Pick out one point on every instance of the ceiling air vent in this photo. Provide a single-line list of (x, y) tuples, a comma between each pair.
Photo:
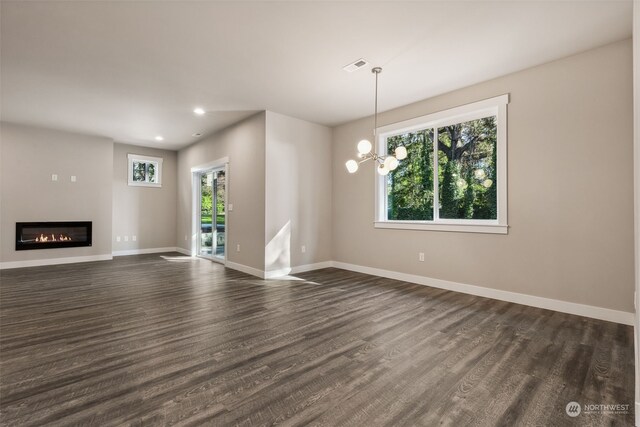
[(355, 65)]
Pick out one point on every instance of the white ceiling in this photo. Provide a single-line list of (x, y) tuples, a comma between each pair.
[(134, 70)]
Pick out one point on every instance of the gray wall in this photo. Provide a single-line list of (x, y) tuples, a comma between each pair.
[(570, 179), (149, 213), (298, 192), (29, 157), (244, 144), (636, 119)]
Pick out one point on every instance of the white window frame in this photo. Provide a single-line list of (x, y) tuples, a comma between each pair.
[(222, 164), (497, 107), (144, 159)]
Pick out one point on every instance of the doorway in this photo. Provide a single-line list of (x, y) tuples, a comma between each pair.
[(211, 214)]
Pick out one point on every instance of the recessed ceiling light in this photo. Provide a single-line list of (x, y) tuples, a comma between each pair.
[(159, 138), (199, 111), (197, 134)]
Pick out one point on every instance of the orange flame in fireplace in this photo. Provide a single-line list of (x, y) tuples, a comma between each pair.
[(53, 238)]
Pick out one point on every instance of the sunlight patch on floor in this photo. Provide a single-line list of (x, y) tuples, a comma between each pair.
[(184, 258)]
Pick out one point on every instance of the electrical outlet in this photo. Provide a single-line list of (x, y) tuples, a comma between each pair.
[(421, 256), (54, 177), (238, 247), (126, 238), (117, 238), (134, 238), (185, 238), (230, 207), (73, 178), (303, 249)]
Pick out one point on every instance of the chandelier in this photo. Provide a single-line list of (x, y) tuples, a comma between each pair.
[(385, 162)]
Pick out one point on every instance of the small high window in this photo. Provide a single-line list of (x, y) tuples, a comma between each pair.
[(145, 171)]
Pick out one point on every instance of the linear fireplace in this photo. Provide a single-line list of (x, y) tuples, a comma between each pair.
[(48, 235)]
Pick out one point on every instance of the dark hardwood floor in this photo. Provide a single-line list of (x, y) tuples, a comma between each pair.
[(164, 340)]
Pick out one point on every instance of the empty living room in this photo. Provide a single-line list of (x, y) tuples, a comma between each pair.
[(327, 213)]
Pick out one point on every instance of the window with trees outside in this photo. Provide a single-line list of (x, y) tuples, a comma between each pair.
[(454, 176), (144, 171)]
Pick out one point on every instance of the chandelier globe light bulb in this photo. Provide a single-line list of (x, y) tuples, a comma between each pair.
[(401, 152), (391, 163), (364, 146), (352, 166)]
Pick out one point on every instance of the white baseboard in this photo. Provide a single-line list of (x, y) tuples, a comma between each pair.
[(272, 274), (616, 316), (229, 264), (311, 267), (144, 251), (232, 265), (245, 269), (53, 261), (637, 412), (183, 251)]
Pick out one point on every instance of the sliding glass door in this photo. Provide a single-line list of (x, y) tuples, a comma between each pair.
[(211, 218)]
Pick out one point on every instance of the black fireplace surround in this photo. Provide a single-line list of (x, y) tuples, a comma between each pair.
[(49, 235)]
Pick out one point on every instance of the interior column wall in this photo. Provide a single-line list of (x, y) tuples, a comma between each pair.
[(298, 193), (244, 145)]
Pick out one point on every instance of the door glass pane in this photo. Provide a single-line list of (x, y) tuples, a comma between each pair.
[(467, 170), (206, 214), (220, 213)]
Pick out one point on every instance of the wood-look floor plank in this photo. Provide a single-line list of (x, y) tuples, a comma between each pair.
[(171, 340)]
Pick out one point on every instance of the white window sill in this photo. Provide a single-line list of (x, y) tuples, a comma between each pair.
[(461, 228), (144, 184)]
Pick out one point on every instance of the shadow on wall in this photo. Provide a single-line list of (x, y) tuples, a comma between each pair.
[(278, 251)]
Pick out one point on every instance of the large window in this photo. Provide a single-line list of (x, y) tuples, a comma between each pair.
[(454, 176), (144, 170)]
